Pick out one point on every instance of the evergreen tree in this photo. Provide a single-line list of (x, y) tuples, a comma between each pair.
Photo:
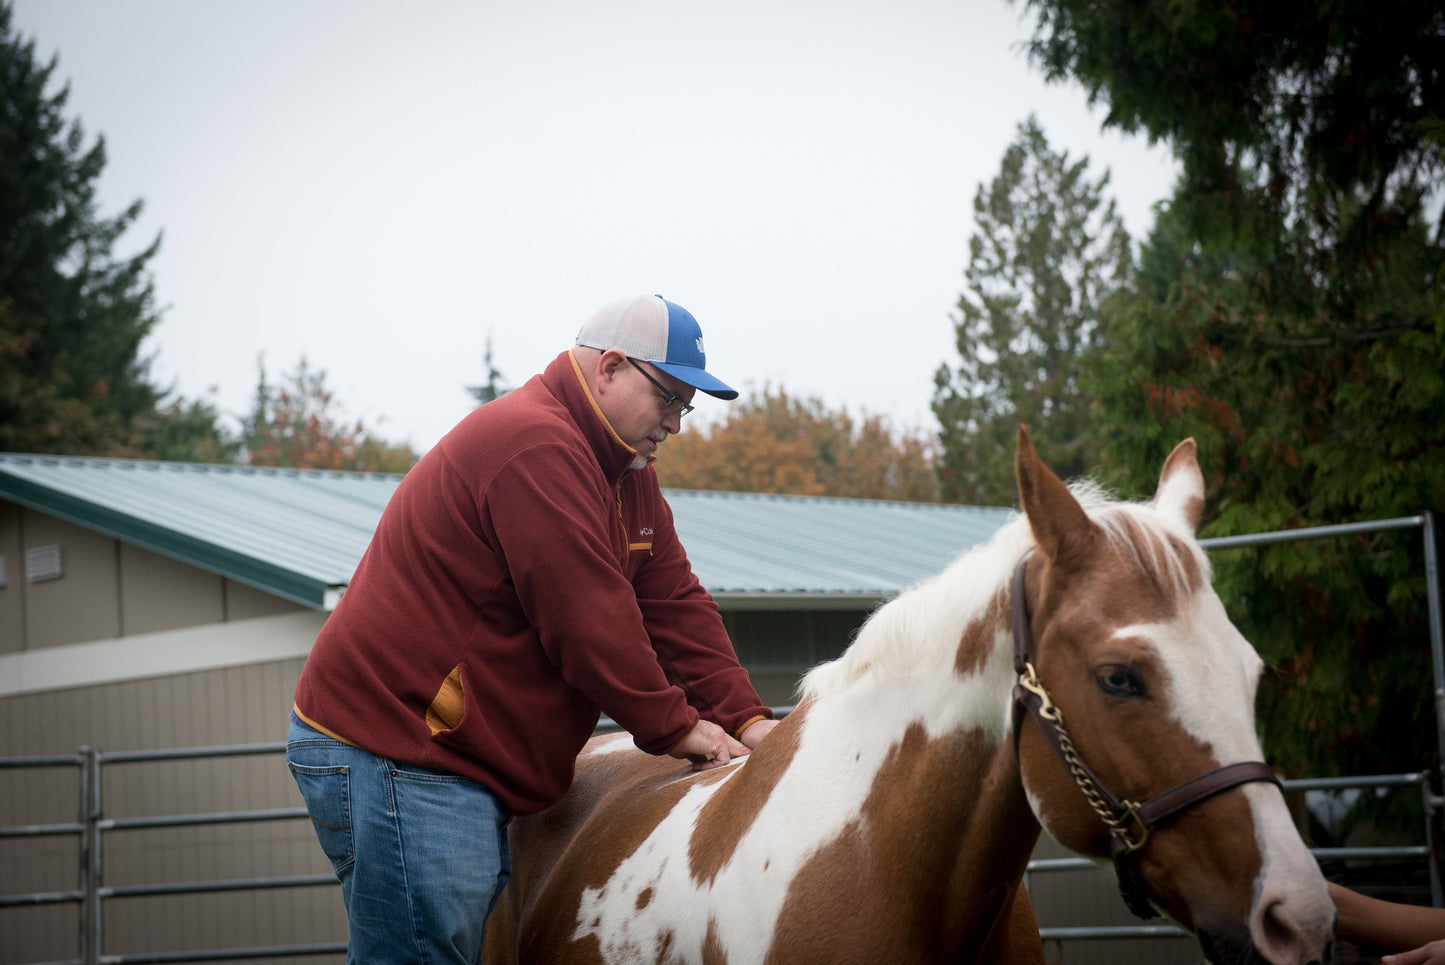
[(73, 315), (1290, 313), (1049, 249), (181, 430), (494, 388)]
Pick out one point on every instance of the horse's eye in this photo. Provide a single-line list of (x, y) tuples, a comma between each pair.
[(1119, 682)]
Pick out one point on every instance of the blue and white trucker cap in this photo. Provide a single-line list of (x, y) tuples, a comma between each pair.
[(653, 329)]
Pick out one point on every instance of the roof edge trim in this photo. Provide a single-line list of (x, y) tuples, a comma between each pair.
[(264, 576)]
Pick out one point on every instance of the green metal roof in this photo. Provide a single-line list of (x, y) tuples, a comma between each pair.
[(300, 533)]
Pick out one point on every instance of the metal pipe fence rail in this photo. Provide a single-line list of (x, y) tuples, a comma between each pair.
[(91, 826), (91, 893), (1427, 853)]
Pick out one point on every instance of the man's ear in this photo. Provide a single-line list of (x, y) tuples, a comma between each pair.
[(606, 367)]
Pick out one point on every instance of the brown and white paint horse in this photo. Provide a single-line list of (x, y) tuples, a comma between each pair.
[(890, 817)]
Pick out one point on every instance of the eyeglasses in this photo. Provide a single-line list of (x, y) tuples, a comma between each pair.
[(671, 404)]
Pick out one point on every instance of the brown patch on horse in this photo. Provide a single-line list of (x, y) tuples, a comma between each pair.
[(976, 642), (929, 870), (730, 812), (712, 948), (582, 833), (1231, 861)]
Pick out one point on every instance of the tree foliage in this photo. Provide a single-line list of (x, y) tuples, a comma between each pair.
[(298, 424), (187, 430), (73, 314), (492, 389), (1048, 250), (1308, 100), (776, 443), (1289, 313), (1310, 408)]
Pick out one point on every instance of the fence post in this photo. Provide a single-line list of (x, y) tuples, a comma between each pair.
[(1437, 634), (89, 853)]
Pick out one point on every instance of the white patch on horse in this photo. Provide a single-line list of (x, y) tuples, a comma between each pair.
[(1196, 648), (844, 743), (1289, 873), (612, 744), (1197, 653)]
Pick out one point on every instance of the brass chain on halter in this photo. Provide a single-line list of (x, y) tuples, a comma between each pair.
[(1117, 821)]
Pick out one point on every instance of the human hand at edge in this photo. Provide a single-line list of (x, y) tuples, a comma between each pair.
[(756, 731), (708, 746), (1431, 954)]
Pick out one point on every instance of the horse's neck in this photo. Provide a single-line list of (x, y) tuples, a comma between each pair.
[(911, 782)]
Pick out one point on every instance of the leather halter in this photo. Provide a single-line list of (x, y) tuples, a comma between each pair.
[(1129, 822)]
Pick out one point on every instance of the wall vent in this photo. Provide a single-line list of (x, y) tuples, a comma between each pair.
[(43, 563)]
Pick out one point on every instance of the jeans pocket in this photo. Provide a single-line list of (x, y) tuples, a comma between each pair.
[(327, 791)]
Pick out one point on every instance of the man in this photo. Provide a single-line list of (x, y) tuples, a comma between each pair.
[(524, 577)]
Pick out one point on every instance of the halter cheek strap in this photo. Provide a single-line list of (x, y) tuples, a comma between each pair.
[(1129, 822)]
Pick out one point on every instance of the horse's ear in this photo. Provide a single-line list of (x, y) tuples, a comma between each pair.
[(1181, 485), (1060, 525)]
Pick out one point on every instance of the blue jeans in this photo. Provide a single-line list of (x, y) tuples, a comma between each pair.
[(421, 854)]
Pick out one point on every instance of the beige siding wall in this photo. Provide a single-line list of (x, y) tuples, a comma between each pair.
[(243, 602), (159, 593), (108, 588), (238, 705), (12, 612), (84, 603)]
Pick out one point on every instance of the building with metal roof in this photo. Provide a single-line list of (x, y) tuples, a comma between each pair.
[(191, 566), (300, 533)]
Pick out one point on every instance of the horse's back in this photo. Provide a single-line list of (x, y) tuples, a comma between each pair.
[(553, 860)]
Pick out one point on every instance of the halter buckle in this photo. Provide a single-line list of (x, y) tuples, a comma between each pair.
[(1029, 680), (1124, 841)]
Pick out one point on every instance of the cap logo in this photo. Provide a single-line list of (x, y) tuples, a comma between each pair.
[(699, 346)]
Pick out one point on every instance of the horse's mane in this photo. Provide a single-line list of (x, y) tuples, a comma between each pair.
[(919, 630)]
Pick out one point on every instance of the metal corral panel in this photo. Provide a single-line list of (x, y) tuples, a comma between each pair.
[(300, 533)]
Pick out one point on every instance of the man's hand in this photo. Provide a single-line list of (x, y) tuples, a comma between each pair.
[(707, 745), (756, 731)]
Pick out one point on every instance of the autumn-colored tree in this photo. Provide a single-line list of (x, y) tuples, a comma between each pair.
[(296, 424), (776, 443)]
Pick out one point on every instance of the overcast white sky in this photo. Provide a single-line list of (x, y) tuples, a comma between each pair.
[(381, 186)]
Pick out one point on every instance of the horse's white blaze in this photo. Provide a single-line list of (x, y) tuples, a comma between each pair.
[(1209, 661), (1289, 876), (1213, 673), (843, 745)]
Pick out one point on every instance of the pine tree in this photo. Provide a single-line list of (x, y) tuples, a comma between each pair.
[(73, 315), (1049, 249), (494, 388), (1290, 314)]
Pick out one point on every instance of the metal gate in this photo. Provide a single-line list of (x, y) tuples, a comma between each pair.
[(92, 828)]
